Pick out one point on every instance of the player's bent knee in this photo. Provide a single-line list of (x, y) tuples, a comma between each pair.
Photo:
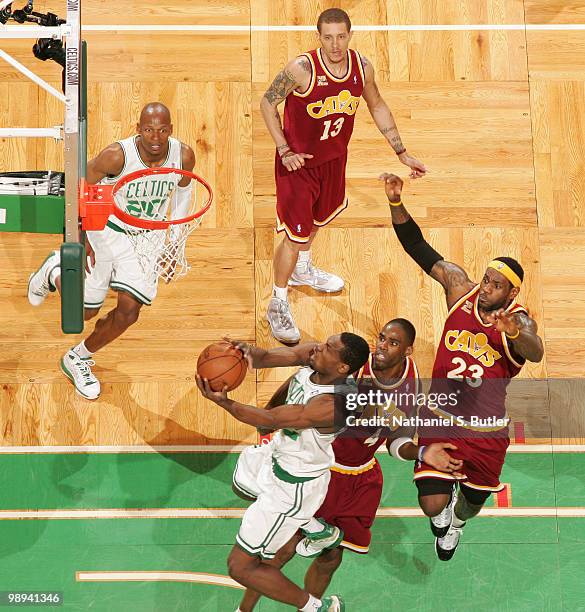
[(433, 494), (432, 505), (240, 564), (127, 312), (127, 318)]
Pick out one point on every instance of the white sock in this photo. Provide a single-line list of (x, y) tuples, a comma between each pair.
[(280, 292), (313, 526), (312, 605), (304, 258), (457, 522), (81, 350)]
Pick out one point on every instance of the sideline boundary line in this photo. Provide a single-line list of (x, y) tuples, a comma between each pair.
[(228, 448), (158, 576), (228, 513)]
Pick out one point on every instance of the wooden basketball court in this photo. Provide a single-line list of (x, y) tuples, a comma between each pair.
[(495, 114)]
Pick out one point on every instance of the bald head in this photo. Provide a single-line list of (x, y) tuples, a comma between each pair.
[(154, 129), (155, 110)]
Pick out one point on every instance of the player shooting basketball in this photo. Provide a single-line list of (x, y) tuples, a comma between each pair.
[(322, 89), (486, 340), (114, 263), (288, 478)]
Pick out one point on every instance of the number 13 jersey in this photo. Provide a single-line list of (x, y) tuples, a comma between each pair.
[(319, 121)]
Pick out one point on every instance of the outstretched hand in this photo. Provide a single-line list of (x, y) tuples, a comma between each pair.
[(503, 321), (393, 186), (417, 168)]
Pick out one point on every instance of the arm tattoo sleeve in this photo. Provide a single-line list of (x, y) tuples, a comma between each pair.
[(282, 85)]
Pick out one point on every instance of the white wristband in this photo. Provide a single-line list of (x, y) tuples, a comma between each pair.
[(395, 446), (421, 450), (181, 204)]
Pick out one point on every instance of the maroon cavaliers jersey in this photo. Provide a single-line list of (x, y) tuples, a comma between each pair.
[(475, 361), (358, 451), (320, 120)]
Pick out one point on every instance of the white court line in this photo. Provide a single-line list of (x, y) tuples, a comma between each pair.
[(117, 450), (162, 576), (237, 513), (224, 448), (312, 28)]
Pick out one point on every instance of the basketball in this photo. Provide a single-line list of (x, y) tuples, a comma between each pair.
[(222, 365)]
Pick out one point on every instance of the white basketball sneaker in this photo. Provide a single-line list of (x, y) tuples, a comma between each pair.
[(38, 283), (78, 371), (307, 274), (440, 524), (315, 543), (446, 546), (331, 603), (281, 322)]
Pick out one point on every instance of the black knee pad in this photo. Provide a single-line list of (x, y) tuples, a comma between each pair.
[(433, 486), (474, 496)]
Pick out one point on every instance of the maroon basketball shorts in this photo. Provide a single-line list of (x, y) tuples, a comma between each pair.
[(483, 459), (309, 197), (351, 503)]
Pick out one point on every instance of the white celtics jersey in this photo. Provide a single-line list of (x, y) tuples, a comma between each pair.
[(144, 197), (305, 452)]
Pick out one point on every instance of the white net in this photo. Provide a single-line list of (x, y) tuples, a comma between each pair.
[(159, 197)]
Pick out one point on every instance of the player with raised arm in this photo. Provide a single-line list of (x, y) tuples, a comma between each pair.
[(322, 89), (113, 260), (288, 477), (486, 339), (355, 488)]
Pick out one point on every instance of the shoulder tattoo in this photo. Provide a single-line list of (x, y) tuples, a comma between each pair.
[(305, 64)]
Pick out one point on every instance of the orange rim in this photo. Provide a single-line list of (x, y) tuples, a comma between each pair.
[(146, 224)]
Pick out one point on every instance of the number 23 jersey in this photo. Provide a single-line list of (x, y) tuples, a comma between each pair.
[(475, 359), (319, 121)]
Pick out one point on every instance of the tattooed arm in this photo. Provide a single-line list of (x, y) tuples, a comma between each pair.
[(295, 75), (454, 280), (384, 119)]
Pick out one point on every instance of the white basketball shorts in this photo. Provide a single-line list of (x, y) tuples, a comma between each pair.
[(284, 503), (116, 266)]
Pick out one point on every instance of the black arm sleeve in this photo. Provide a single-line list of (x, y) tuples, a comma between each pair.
[(415, 245)]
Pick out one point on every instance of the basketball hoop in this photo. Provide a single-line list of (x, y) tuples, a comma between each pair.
[(147, 207)]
